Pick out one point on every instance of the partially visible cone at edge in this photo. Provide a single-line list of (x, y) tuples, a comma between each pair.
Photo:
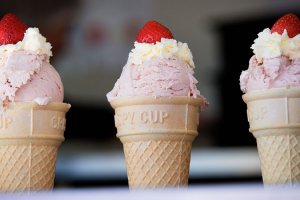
[(30, 135), (274, 118), (157, 135)]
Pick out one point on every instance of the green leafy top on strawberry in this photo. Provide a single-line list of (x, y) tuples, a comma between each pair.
[(288, 22), (152, 32), (12, 29)]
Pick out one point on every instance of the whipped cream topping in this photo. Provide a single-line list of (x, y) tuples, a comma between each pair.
[(32, 41), (272, 45), (166, 48)]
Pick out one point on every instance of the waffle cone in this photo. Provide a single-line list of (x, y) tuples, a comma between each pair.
[(30, 135), (157, 135), (274, 118)]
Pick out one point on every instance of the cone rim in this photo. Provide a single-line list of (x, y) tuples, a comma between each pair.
[(58, 106), (145, 100), (291, 92)]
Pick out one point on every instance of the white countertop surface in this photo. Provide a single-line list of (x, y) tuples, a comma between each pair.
[(217, 192)]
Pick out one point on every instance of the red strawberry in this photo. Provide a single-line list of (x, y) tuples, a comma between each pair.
[(152, 32), (11, 29), (290, 22)]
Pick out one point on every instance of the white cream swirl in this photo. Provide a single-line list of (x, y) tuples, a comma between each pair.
[(32, 41), (166, 48), (272, 45)]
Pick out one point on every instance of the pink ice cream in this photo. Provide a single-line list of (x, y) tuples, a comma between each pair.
[(26, 74), (271, 73), (156, 77), (37, 80)]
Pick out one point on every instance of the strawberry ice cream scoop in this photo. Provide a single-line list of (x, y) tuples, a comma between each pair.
[(272, 73), (157, 66), (25, 71), (156, 77), (26, 76), (276, 59)]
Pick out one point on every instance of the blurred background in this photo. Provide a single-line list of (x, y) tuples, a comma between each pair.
[(91, 40)]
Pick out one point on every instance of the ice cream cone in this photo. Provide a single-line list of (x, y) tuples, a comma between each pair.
[(157, 135), (274, 118), (30, 135)]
